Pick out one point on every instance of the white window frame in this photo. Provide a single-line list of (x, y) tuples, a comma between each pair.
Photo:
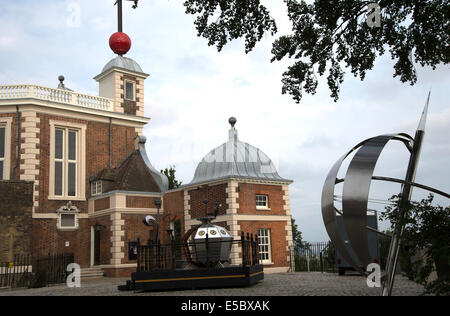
[(6, 122), (266, 205), (59, 222), (65, 160), (264, 241), (125, 90), (80, 173), (68, 209), (96, 187)]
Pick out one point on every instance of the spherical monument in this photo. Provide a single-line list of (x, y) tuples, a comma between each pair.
[(120, 43)]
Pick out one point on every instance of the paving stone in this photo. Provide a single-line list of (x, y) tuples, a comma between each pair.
[(282, 284)]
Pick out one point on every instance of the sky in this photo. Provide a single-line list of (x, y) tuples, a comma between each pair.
[(192, 90)]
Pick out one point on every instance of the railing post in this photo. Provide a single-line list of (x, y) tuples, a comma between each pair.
[(158, 254), (139, 253), (149, 256), (321, 262), (12, 273), (250, 250), (172, 243), (207, 248), (258, 259), (243, 248), (31, 91)]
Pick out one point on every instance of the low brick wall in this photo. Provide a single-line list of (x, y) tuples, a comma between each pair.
[(16, 204)]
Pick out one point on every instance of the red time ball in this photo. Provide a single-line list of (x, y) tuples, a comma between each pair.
[(120, 43)]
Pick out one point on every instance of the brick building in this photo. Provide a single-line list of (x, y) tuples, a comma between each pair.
[(250, 196), (92, 182)]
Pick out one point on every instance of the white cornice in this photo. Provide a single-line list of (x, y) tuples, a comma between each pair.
[(233, 179), (121, 70), (243, 217), (126, 211), (125, 193), (42, 106)]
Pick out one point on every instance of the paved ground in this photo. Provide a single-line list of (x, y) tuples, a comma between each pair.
[(285, 284)]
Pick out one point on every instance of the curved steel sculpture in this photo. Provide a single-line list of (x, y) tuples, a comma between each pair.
[(355, 198)]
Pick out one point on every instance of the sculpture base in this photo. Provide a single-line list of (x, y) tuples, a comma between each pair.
[(194, 279)]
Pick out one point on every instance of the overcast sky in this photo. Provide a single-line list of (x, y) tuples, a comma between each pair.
[(193, 90)]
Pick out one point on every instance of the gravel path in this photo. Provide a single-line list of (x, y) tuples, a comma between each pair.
[(282, 284)]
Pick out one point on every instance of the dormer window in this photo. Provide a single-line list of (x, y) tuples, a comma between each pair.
[(129, 90), (96, 187)]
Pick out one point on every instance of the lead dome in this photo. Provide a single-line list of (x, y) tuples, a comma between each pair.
[(123, 63), (235, 159)]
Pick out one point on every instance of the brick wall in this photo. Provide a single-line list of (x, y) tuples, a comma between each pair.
[(174, 210), (16, 202), (134, 228), (174, 202), (214, 194), (140, 202), (48, 239), (97, 157), (247, 199), (277, 239), (101, 204)]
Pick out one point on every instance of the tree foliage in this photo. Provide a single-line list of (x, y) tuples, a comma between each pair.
[(233, 20), (170, 174), (329, 35), (296, 237), (427, 232)]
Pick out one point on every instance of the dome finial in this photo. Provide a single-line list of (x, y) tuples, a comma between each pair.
[(61, 84), (232, 120)]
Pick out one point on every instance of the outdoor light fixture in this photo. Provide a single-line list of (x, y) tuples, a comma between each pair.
[(149, 220), (158, 203), (98, 227)]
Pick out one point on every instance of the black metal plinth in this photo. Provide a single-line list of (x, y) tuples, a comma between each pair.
[(194, 279)]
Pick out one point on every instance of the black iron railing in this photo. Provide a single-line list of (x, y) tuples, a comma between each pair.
[(315, 256), (250, 249), (208, 253), (16, 273), (25, 271), (156, 257), (51, 269)]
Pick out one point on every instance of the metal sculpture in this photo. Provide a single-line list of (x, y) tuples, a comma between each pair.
[(355, 198), (212, 243)]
